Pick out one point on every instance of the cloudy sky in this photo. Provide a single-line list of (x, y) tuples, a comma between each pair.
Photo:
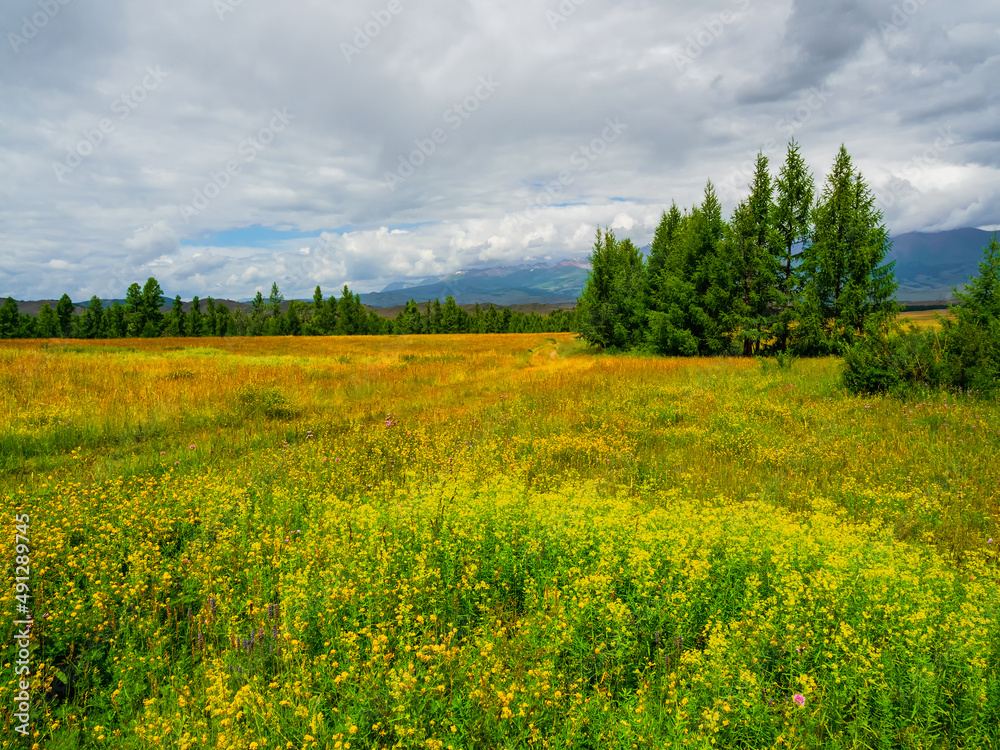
[(220, 145)]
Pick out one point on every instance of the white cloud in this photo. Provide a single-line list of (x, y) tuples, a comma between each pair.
[(511, 176)]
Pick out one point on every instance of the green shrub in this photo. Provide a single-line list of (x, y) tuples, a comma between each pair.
[(963, 356), (260, 401), (873, 365)]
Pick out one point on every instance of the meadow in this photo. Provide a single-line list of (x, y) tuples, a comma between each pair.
[(924, 318), (492, 541)]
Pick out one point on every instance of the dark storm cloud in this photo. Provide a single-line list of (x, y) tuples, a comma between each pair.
[(820, 36)]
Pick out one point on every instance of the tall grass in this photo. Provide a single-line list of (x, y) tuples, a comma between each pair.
[(465, 541)]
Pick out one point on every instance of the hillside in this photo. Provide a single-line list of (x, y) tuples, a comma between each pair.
[(929, 264), (556, 284)]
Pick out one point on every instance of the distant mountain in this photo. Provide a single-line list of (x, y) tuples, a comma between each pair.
[(31, 307), (542, 283), (929, 264)]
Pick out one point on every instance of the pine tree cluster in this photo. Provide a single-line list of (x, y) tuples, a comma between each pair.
[(790, 272)]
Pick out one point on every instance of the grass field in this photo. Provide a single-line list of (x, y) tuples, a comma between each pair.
[(924, 318), (492, 541)]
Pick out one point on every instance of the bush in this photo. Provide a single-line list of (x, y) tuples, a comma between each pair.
[(259, 401), (963, 356), (874, 365)]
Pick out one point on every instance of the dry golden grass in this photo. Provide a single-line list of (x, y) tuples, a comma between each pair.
[(924, 318), (494, 541)]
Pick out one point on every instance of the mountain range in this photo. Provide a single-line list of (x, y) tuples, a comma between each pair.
[(542, 283), (928, 265)]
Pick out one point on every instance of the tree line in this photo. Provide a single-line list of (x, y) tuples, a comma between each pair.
[(789, 272), (142, 315)]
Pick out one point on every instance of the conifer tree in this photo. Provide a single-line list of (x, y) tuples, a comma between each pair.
[(350, 314), (846, 277), (274, 301), (452, 317), (134, 319), (491, 320), (671, 291), (152, 301), (176, 324), (115, 324), (476, 319), (330, 315), (9, 319), (792, 221), (979, 302), (749, 251), (92, 324), (704, 264), (408, 320), (26, 327), (663, 243), (255, 324), (612, 307), (64, 312), (225, 325), (971, 337), (321, 320), (377, 325), (434, 323), (507, 315), (210, 327), (48, 324), (293, 322), (195, 320)]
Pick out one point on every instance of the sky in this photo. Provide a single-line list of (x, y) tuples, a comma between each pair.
[(223, 145)]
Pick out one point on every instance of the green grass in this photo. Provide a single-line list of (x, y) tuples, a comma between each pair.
[(511, 550)]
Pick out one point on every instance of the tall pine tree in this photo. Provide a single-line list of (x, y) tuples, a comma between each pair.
[(195, 324), (9, 319), (700, 247), (151, 302), (64, 312), (749, 252), (792, 221), (47, 324), (612, 307), (176, 324), (848, 282)]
